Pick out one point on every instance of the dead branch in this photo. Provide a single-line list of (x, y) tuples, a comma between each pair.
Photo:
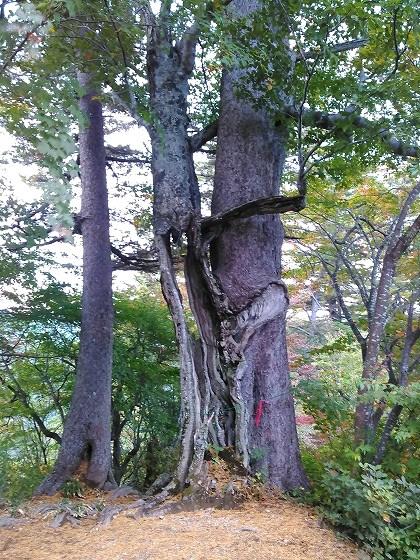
[(258, 207)]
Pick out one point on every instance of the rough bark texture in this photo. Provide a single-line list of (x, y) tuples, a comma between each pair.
[(87, 430), (239, 365), (245, 260), (176, 208), (176, 197)]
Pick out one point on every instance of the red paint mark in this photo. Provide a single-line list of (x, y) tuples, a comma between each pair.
[(259, 412)]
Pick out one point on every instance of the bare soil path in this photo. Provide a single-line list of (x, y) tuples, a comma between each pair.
[(267, 530)]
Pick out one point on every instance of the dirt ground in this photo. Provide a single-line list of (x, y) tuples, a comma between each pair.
[(269, 529)]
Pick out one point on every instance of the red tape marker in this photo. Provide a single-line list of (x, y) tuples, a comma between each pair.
[(259, 412)]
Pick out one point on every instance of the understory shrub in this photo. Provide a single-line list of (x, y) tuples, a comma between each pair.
[(380, 512), (18, 478), (379, 506)]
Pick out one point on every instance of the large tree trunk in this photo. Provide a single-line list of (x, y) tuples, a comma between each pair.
[(87, 430), (235, 388), (246, 262)]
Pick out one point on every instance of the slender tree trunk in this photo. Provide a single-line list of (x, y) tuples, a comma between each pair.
[(87, 430), (333, 308), (364, 416), (151, 466), (315, 307), (393, 416), (116, 444), (399, 242)]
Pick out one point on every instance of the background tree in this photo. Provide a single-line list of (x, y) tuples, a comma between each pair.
[(365, 247), (40, 345)]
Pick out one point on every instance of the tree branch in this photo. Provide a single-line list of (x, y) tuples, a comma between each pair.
[(188, 43), (119, 103), (351, 268), (258, 207), (20, 395), (341, 302), (200, 138), (346, 312), (410, 339), (124, 154), (406, 238), (143, 261), (20, 47), (340, 47), (331, 121)]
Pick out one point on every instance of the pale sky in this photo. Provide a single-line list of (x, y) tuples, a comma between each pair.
[(17, 177)]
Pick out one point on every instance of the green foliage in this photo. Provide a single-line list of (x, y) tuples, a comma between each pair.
[(381, 512), (39, 102), (23, 226), (330, 395), (72, 489), (342, 343), (21, 463), (378, 509), (403, 453), (39, 342), (377, 505), (145, 381)]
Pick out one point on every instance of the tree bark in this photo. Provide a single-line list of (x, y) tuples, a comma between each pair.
[(87, 430), (238, 301), (411, 337), (176, 209), (245, 260), (117, 427)]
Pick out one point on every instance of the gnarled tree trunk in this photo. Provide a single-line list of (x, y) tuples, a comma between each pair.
[(87, 430), (246, 262), (235, 387), (176, 206)]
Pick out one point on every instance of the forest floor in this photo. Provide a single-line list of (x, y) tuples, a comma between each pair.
[(267, 529)]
